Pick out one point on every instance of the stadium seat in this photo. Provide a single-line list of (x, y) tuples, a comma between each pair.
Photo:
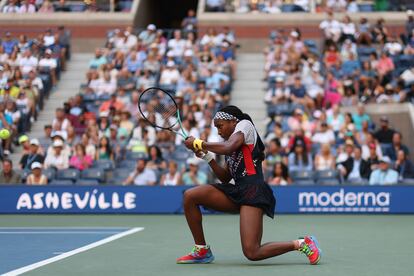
[(87, 182), (135, 155), (68, 174), (61, 182), (356, 182), (328, 182), (407, 181), (327, 178), (94, 174), (304, 182), (50, 174), (119, 175), (365, 7), (130, 164), (105, 165), (302, 175)]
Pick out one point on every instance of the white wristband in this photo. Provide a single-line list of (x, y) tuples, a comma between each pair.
[(208, 157)]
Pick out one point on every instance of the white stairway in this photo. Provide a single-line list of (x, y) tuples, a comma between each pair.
[(247, 91)]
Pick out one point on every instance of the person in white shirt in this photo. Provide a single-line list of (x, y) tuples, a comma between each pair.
[(141, 176), (60, 122), (58, 159), (11, 7), (106, 85), (27, 7), (49, 62), (48, 38), (172, 177), (331, 28), (28, 62), (177, 44), (170, 75), (324, 135), (393, 47)]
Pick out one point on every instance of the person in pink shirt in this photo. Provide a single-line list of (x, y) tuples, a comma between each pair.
[(80, 160), (384, 66)]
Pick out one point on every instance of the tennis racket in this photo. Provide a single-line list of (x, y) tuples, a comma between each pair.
[(159, 108)]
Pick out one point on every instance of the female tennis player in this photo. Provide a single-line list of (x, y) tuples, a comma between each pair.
[(250, 195)]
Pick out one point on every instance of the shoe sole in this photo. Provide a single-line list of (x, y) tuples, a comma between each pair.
[(201, 261), (319, 250)]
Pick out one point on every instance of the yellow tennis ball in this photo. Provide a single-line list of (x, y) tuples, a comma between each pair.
[(4, 134)]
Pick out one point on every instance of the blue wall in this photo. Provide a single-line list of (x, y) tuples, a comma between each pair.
[(168, 200)]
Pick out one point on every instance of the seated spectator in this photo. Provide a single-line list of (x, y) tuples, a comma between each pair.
[(172, 177), (27, 7), (98, 60), (396, 146), (355, 167), (33, 156), (36, 177), (280, 175), (384, 175), (104, 150), (299, 95), (155, 160), (8, 176), (141, 175), (324, 160), (403, 165), (46, 7), (148, 36), (80, 160), (215, 5), (11, 7), (324, 135), (193, 176), (58, 159), (61, 6), (360, 117), (385, 134), (331, 28), (299, 159), (274, 154)]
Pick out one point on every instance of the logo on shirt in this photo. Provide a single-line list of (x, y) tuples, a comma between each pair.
[(341, 201)]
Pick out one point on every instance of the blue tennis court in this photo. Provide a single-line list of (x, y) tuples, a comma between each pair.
[(24, 249)]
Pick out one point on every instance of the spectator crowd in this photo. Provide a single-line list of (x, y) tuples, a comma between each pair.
[(319, 130), (278, 6)]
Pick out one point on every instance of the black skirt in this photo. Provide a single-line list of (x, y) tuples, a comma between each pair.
[(247, 192)]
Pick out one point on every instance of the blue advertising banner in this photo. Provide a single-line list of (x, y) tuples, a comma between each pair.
[(168, 200)]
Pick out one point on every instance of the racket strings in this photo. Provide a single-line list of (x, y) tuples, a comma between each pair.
[(159, 108)]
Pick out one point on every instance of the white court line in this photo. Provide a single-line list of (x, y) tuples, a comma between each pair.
[(71, 253), (64, 227), (60, 232)]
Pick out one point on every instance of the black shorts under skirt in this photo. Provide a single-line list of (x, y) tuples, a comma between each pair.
[(253, 194)]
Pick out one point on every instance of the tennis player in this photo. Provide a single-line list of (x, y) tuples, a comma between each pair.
[(250, 195)]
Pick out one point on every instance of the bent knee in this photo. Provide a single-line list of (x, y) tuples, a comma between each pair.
[(251, 254), (190, 195)]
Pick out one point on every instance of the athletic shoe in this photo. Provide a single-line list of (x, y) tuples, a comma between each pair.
[(197, 256), (310, 248)]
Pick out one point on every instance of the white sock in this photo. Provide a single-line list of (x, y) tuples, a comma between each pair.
[(202, 246), (301, 241)]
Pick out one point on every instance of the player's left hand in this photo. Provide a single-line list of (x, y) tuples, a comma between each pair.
[(189, 142)]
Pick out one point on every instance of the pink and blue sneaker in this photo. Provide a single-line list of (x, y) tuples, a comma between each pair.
[(310, 248), (197, 256)]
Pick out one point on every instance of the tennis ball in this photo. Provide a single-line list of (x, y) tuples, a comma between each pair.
[(4, 134)]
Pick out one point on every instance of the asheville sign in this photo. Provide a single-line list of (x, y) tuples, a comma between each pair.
[(168, 200)]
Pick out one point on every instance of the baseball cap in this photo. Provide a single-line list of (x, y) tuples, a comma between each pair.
[(384, 119), (385, 159), (349, 142), (35, 142), (23, 139), (57, 143), (48, 51), (60, 134), (192, 161), (294, 34), (170, 63), (151, 27), (36, 165)]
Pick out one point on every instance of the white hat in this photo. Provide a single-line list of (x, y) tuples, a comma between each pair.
[(410, 12), (280, 79), (48, 51), (188, 53), (192, 161), (294, 34), (385, 159), (151, 27), (57, 143), (170, 63), (61, 134), (36, 165), (225, 44), (170, 53), (35, 142), (104, 114)]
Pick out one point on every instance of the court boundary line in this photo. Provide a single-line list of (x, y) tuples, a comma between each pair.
[(72, 252)]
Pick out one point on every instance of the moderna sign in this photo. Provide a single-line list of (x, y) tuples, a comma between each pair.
[(168, 200)]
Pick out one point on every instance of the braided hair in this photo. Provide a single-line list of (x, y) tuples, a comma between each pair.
[(236, 112)]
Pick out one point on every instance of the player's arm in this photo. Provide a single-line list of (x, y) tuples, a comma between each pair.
[(227, 147), (222, 173)]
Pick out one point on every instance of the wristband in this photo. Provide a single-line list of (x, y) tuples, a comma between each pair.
[(198, 144), (208, 157)]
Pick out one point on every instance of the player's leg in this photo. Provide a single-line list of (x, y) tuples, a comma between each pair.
[(251, 230), (209, 197)]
